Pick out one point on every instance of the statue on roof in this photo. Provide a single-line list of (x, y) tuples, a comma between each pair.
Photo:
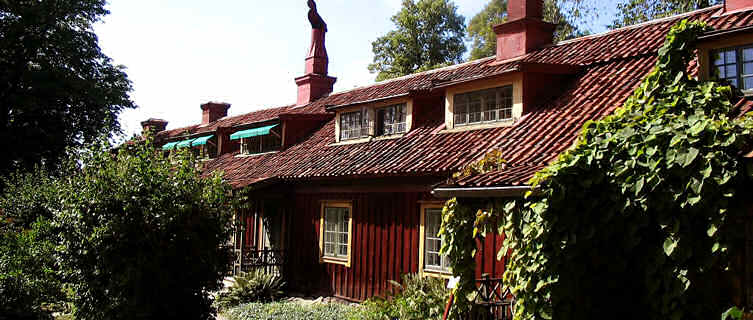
[(316, 20)]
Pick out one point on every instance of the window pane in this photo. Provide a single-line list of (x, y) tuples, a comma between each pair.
[(718, 58), (730, 56), (748, 54), (748, 83), (733, 82), (474, 107), (720, 72), (748, 68), (329, 249), (350, 125), (343, 250), (731, 71)]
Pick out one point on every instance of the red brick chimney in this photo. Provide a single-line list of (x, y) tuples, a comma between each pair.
[(737, 5), (524, 31), (153, 125), (315, 83), (212, 111)]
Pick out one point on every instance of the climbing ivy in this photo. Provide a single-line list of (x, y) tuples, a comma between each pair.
[(638, 219)]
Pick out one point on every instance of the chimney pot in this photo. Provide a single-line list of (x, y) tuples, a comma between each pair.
[(213, 111), (153, 125)]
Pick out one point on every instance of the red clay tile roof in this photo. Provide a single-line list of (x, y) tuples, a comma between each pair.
[(613, 65)]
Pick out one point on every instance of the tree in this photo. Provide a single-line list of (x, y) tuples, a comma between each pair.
[(139, 235), (631, 12), (484, 40), (429, 35), (57, 89)]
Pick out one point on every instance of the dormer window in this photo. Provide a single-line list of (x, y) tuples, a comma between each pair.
[(488, 105), (391, 120), (258, 140), (734, 65), (387, 119), (354, 124)]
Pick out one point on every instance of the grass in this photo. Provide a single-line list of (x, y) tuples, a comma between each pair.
[(295, 310)]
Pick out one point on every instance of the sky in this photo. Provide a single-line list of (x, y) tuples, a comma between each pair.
[(182, 53)]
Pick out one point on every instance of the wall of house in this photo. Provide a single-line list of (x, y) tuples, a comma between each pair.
[(385, 244)]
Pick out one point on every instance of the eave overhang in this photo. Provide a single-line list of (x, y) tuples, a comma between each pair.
[(481, 192)]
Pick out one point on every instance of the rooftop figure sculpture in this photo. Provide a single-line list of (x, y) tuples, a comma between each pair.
[(316, 20)]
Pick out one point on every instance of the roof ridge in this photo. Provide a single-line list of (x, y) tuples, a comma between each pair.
[(454, 66), (638, 25), (229, 117)]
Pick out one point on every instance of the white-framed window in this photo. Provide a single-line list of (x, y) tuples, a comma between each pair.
[(335, 235), (432, 262), (488, 105), (735, 65), (354, 124), (391, 120)]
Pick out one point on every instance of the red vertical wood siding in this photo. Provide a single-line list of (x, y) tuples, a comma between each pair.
[(385, 240)]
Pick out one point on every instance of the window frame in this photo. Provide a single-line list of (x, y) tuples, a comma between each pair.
[(477, 100), (323, 258), (422, 268), (380, 126), (364, 129), (244, 150), (739, 64)]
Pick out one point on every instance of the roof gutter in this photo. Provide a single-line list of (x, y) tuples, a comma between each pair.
[(716, 34), (481, 192), (335, 107)]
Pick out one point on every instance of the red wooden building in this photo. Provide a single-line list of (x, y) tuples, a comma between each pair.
[(346, 186)]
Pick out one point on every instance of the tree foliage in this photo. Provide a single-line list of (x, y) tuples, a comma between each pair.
[(631, 12), (638, 218), (484, 40), (138, 235), (29, 277), (428, 35), (57, 89)]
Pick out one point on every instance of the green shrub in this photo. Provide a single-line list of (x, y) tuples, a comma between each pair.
[(294, 311), (416, 298), (256, 286), (29, 277), (141, 235)]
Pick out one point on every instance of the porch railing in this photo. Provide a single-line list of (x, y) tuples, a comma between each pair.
[(269, 260), (492, 301)]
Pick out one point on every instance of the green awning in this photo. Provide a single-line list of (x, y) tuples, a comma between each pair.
[(252, 132), (184, 144), (201, 141), (169, 145)]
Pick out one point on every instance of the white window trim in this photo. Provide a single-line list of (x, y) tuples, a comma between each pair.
[(371, 110), (515, 80), (423, 271), (336, 260)]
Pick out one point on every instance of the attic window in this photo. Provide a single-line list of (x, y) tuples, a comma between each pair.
[(489, 105), (260, 144), (391, 120), (735, 65), (354, 125)]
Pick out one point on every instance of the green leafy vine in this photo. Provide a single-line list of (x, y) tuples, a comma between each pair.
[(635, 220)]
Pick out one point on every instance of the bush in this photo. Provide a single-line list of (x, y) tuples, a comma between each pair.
[(256, 286), (29, 278), (141, 235), (417, 298), (293, 311)]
